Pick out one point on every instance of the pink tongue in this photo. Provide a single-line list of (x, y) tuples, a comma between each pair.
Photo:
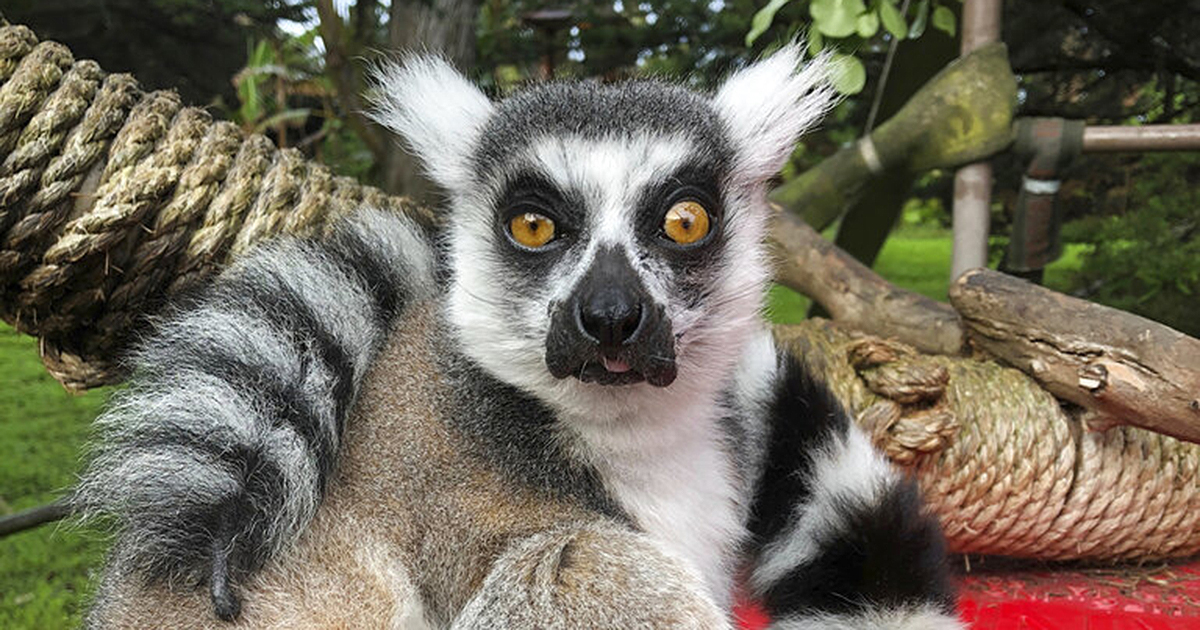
[(615, 366)]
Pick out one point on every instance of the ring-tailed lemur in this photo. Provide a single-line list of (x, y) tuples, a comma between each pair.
[(587, 424)]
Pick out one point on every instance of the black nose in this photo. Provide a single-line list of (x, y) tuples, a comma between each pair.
[(610, 315)]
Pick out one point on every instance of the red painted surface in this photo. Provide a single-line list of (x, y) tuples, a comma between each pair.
[(1127, 598)]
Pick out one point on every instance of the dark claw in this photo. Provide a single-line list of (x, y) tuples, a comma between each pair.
[(225, 600)]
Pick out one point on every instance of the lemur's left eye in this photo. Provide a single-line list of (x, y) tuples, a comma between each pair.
[(686, 222), (531, 229)]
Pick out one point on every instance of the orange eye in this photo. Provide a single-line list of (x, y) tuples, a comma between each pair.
[(531, 229), (686, 222)]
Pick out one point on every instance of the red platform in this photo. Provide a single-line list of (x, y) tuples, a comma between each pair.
[(1021, 597)]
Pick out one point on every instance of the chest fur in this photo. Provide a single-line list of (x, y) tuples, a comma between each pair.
[(676, 480)]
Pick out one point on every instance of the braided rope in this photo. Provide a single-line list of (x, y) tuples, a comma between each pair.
[(112, 200), (1000, 463)]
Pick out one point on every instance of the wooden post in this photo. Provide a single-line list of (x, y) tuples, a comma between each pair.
[(973, 183)]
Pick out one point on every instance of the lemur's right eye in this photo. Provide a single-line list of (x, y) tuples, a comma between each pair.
[(531, 229)]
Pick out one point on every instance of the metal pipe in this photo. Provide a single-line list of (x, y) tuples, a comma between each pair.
[(980, 24), (972, 217), (981, 21), (1104, 139)]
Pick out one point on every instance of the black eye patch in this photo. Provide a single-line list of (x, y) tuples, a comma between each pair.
[(532, 192)]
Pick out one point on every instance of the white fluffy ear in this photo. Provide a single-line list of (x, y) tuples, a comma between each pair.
[(768, 105), (436, 110)]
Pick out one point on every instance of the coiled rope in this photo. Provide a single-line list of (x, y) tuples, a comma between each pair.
[(1004, 467), (112, 200)]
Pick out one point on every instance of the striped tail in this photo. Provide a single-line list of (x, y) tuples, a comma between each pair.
[(218, 453)]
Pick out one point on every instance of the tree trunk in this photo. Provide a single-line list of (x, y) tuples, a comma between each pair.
[(445, 27)]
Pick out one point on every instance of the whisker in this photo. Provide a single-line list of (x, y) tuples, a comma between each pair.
[(582, 368)]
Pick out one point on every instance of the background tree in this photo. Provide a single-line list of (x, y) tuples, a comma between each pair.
[(1104, 61)]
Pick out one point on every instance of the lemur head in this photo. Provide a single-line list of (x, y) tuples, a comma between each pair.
[(607, 241)]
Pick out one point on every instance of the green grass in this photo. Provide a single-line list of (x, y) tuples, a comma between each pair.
[(45, 573)]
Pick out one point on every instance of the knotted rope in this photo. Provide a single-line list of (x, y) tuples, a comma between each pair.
[(1004, 467), (112, 200)]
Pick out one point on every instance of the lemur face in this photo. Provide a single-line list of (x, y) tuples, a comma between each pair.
[(607, 242)]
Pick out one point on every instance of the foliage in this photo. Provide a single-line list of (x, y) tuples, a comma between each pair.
[(1146, 259), (283, 92), (850, 27), (698, 41)]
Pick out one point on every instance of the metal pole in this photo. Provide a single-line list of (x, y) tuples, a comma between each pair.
[(1101, 139), (973, 183)]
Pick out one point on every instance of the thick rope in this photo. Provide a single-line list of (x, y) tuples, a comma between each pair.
[(1005, 469), (112, 200)]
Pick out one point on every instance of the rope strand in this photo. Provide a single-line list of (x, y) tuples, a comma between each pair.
[(112, 200)]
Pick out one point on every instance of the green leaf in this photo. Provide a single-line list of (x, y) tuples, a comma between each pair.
[(868, 25), (836, 18), (943, 20), (919, 20), (849, 76), (815, 43), (762, 20), (892, 20)]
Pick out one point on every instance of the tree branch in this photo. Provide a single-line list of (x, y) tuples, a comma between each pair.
[(855, 295)]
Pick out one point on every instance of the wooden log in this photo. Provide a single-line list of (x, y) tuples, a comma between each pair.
[(1121, 368), (856, 296)]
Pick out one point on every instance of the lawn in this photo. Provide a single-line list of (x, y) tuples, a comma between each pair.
[(45, 573)]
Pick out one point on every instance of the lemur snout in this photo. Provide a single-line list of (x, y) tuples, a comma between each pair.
[(610, 330), (611, 302)]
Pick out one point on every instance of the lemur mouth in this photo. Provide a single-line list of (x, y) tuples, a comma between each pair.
[(617, 369), (610, 372)]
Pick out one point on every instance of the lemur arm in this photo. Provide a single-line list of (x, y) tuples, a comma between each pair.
[(841, 538), (590, 575), (218, 453)]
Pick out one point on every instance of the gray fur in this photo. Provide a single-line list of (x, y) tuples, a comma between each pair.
[(195, 427), (590, 110), (589, 576)]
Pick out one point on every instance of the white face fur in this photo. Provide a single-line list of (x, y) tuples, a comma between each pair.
[(606, 164)]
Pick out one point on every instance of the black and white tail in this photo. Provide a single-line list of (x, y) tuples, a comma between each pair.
[(219, 451), (843, 540)]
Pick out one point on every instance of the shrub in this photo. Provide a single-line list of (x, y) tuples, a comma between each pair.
[(1146, 257)]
